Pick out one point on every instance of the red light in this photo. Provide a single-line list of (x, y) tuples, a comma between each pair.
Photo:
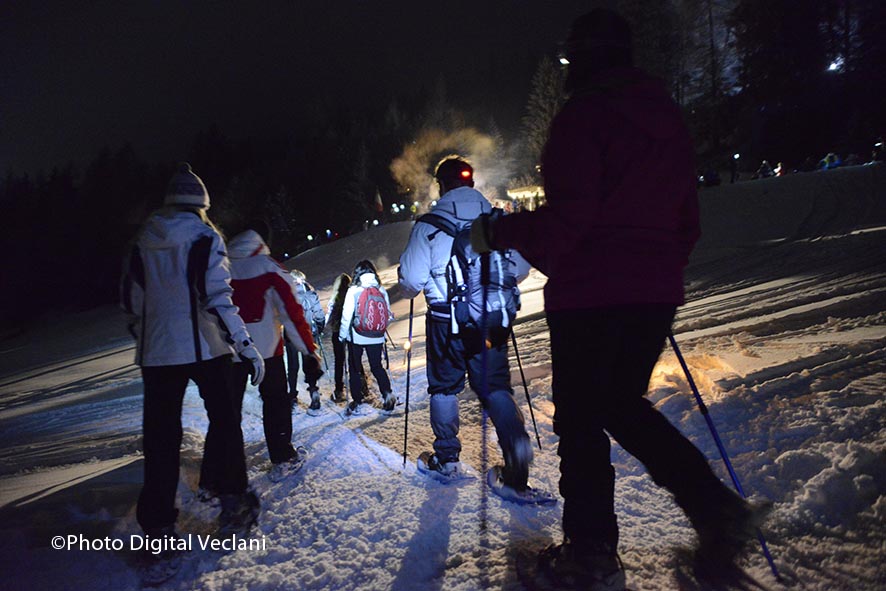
[(466, 174)]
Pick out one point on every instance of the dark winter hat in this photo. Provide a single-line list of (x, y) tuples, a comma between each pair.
[(186, 188), (601, 34), (454, 171), (364, 266)]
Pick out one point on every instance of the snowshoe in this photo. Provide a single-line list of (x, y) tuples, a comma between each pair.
[(284, 470), (206, 495), (338, 396), (161, 569), (314, 407), (527, 496), (156, 569), (389, 402), (239, 513), (359, 409), (445, 472), (561, 566)]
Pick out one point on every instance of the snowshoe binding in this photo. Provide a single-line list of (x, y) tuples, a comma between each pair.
[(283, 470), (158, 568), (524, 496), (239, 513), (445, 472)]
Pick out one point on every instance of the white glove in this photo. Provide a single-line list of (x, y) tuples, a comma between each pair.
[(251, 354)]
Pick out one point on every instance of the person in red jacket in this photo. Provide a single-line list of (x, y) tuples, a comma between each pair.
[(620, 222), (265, 294)]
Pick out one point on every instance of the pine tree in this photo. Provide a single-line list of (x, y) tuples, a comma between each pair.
[(545, 99)]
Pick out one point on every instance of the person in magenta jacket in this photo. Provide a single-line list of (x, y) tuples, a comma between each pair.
[(620, 222)]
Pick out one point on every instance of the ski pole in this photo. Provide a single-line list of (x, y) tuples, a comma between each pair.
[(387, 359), (484, 387), (525, 387), (707, 417), (390, 338), (408, 347), (322, 352)]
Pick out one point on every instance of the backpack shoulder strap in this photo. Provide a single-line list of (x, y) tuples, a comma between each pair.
[(440, 223)]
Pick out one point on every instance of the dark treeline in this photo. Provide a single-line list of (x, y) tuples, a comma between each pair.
[(772, 79)]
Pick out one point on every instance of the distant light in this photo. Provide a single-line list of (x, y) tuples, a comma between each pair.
[(836, 65), (329, 233), (415, 203), (310, 237), (374, 222), (286, 255), (736, 156), (407, 345), (434, 203), (564, 61)]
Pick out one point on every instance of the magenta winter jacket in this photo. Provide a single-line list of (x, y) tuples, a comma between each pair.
[(622, 210)]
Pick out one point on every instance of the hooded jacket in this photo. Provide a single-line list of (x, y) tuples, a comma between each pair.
[(622, 210), (265, 294), (423, 262), (310, 302), (176, 290), (350, 305)]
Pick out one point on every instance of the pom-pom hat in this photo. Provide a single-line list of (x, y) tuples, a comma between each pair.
[(186, 188)]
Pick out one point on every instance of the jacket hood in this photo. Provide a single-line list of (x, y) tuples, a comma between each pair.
[(247, 244), (367, 280), (638, 97), (169, 229), (464, 204)]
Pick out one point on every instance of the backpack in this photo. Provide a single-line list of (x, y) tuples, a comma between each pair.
[(371, 314), (464, 286)]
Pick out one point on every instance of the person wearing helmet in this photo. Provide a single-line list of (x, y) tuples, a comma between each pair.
[(176, 292), (619, 178), (453, 353)]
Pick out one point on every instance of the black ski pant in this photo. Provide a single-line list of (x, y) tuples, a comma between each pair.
[(449, 357), (602, 360), (309, 363), (276, 406), (355, 368), (224, 462), (339, 355)]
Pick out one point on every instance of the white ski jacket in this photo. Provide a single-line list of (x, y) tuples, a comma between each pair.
[(423, 262), (265, 293), (349, 307), (176, 291)]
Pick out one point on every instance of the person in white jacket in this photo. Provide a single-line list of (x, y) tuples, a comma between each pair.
[(265, 294), (449, 354), (365, 277), (176, 291)]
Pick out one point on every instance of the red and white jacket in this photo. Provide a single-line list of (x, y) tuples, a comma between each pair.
[(265, 293)]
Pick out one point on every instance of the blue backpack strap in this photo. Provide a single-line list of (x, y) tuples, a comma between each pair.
[(440, 223)]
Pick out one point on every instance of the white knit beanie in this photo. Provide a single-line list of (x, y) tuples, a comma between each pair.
[(186, 188)]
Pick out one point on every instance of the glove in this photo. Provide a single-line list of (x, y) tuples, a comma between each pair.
[(482, 240), (250, 353)]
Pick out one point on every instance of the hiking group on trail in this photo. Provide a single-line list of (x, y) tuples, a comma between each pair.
[(621, 198)]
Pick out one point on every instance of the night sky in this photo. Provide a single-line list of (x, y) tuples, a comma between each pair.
[(77, 76)]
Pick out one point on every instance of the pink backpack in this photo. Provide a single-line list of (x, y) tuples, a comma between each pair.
[(371, 314)]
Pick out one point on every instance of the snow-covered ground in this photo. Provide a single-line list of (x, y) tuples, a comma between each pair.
[(784, 331)]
